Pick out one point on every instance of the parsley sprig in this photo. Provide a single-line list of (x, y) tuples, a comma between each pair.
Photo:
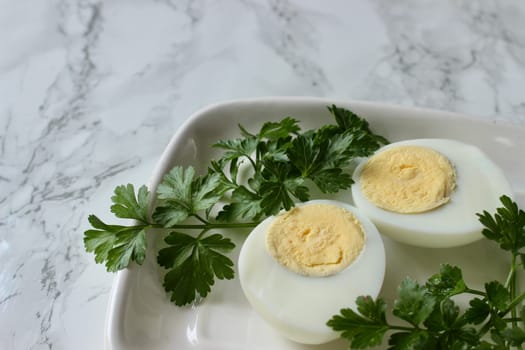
[(494, 318), (256, 176)]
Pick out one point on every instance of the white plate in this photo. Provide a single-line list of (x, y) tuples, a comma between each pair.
[(140, 315)]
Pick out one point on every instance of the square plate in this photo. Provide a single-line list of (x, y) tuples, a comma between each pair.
[(140, 314)]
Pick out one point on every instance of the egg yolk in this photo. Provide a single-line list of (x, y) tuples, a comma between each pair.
[(408, 179), (315, 239)]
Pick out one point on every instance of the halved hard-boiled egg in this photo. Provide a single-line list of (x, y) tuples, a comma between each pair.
[(426, 192), (299, 268)]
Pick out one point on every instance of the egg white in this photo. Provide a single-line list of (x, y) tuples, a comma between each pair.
[(299, 306), (479, 184)]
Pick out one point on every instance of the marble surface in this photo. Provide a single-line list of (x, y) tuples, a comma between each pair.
[(91, 92)]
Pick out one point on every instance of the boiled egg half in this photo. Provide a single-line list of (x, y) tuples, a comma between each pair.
[(426, 192), (299, 268)]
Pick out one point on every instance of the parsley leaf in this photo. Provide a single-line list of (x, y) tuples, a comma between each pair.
[(305, 156), (332, 180), (448, 282), (245, 205), (321, 161), (206, 192), (237, 147), (363, 329), (349, 121), (130, 245), (100, 241), (477, 312), (118, 245), (278, 187), (414, 304), (497, 295), (322, 156), (128, 206), (114, 244), (185, 195), (193, 265), (418, 339), (515, 336), (507, 226), (279, 130)]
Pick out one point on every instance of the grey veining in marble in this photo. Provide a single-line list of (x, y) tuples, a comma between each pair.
[(91, 92)]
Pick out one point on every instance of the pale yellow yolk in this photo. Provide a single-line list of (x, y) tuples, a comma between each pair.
[(408, 179), (315, 239)]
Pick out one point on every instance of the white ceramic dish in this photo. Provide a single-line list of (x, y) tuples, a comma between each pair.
[(140, 315)]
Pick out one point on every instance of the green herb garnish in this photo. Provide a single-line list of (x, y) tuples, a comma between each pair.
[(282, 160), (494, 318)]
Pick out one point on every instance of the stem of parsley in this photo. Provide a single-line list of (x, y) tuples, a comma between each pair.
[(475, 292), (207, 226), (510, 284), (515, 302)]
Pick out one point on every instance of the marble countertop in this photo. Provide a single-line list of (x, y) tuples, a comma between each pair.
[(92, 91)]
